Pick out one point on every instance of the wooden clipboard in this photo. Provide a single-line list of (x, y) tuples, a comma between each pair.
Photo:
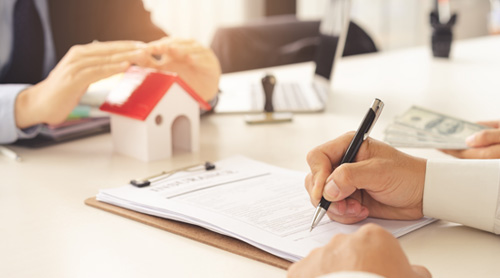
[(195, 232)]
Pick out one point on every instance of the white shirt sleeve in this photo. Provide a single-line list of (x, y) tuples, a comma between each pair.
[(465, 191), (351, 274), (8, 129)]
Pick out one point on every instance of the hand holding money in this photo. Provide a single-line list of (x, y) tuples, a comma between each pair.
[(422, 128), (484, 144)]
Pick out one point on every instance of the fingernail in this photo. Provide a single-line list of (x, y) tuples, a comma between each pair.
[(331, 190), (470, 140)]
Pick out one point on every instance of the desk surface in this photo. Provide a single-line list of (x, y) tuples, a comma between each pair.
[(47, 231)]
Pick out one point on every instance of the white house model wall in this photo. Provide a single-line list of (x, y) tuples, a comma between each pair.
[(153, 139)]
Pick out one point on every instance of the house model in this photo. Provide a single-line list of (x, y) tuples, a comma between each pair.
[(153, 113)]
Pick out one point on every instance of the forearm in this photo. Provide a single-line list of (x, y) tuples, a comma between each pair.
[(25, 108), (463, 191)]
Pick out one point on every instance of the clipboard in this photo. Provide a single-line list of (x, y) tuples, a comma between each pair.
[(196, 233)]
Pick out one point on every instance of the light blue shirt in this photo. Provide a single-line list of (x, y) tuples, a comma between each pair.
[(8, 92)]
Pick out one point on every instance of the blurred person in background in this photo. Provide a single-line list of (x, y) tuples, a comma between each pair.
[(52, 50)]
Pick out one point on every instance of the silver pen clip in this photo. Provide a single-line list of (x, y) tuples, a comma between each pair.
[(377, 106)]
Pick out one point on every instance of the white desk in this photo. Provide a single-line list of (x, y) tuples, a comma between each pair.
[(47, 231)]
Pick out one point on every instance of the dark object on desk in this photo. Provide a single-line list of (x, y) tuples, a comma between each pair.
[(195, 233), (49, 137), (442, 35), (278, 40), (268, 83), (269, 116)]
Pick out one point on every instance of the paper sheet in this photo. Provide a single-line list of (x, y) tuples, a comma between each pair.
[(260, 204)]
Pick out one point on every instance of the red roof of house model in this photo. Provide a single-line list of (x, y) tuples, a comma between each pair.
[(145, 97)]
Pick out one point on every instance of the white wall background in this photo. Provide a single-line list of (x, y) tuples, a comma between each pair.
[(392, 23), (199, 18)]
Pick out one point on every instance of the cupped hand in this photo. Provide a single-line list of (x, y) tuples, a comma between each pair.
[(51, 100), (484, 144), (195, 64)]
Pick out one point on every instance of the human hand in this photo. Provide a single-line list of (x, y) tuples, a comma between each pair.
[(370, 249), (484, 144), (195, 64), (51, 100), (382, 183)]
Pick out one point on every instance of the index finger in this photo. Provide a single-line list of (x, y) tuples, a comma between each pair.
[(110, 47), (166, 44), (490, 152), (323, 159), (494, 124)]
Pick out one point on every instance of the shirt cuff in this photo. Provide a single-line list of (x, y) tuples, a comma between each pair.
[(351, 274), (8, 129), (30, 132), (463, 191)]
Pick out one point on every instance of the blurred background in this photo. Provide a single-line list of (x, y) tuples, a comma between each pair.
[(391, 23)]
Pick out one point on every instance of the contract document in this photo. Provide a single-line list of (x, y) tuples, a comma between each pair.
[(263, 205)]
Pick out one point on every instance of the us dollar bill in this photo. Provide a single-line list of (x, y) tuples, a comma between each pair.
[(422, 142), (419, 127)]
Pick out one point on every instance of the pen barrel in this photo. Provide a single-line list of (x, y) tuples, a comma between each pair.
[(358, 139), (352, 150), (324, 203)]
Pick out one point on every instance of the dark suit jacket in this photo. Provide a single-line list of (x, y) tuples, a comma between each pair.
[(82, 21)]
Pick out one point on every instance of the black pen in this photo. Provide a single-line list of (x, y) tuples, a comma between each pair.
[(358, 139)]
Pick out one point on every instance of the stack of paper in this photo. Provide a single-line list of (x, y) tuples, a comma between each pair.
[(260, 204), (421, 128)]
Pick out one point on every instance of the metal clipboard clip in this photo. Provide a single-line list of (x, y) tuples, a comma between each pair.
[(207, 166)]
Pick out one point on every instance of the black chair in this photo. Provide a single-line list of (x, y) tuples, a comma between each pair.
[(278, 40)]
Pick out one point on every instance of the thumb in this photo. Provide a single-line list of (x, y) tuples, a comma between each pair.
[(349, 177), (421, 271), (335, 193)]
